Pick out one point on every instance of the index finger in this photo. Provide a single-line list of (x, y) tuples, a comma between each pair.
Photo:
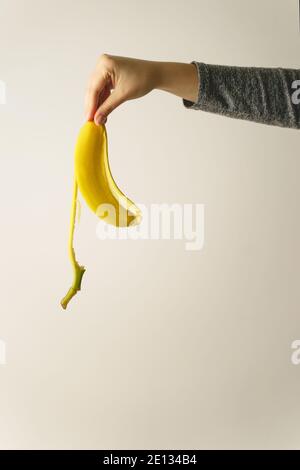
[(97, 90)]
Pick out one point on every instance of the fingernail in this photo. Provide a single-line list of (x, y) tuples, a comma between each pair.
[(100, 119)]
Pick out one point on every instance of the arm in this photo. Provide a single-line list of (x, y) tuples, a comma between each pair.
[(129, 78), (255, 94)]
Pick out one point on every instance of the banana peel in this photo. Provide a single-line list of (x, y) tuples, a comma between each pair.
[(93, 178)]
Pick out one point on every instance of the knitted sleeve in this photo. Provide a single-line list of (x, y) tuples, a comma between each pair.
[(265, 95)]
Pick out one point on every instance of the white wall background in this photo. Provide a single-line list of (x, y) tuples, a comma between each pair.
[(163, 348)]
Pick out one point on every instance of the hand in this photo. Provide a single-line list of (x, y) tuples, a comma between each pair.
[(128, 78), (118, 79)]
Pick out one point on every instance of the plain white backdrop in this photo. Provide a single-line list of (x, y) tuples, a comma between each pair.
[(163, 348)]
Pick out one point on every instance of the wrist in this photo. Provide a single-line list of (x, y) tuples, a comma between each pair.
[(161, 75), (180, 79)]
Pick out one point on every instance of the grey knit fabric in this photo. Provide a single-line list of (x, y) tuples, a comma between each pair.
[(256, 94)]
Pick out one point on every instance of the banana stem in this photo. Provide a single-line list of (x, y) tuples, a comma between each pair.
[(78, 270)]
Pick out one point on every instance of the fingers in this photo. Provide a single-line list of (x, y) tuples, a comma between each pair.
[(112, 101), (97, 92), (103, 95), (99, 100), (99, 86)]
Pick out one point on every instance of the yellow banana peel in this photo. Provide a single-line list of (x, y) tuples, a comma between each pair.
[(94, 180)]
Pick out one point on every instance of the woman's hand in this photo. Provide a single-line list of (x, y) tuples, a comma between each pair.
[(128, 78), (118, 79)]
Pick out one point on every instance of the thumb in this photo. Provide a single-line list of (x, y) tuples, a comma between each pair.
[(111, 103)]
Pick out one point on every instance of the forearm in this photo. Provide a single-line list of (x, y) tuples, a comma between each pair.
[(256, 94)]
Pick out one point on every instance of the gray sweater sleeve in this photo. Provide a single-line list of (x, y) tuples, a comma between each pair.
[(265, 95)]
